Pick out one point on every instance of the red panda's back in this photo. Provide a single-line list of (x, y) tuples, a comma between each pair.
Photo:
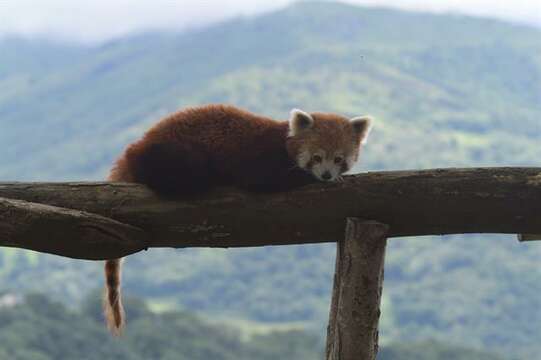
[(223, 129), (234, 143)]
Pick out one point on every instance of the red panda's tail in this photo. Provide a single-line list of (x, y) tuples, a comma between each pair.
[(112, 302)]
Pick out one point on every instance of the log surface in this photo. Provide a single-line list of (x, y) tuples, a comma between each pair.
[(428, 202), (66, 232)]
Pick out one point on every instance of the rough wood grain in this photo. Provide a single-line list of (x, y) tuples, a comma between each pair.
[(438, 201), (528, 237), (65, 232), (352, 333)]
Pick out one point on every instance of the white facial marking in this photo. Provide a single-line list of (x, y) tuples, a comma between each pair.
[(350, 160), (303, 158), (327, 170)]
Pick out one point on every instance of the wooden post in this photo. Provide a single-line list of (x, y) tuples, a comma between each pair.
[(352, 333)]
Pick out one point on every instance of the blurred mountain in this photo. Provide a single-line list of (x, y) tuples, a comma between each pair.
[(37, 328), (446, 90)]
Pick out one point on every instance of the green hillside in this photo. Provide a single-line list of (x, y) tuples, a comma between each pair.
[(432, 351), (446, 91), (36, 328)]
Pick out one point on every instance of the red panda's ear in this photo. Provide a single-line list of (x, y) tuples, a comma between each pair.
[(299, 121), (362, 126)]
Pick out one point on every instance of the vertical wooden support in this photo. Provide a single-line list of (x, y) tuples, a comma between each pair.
[(352, 333)]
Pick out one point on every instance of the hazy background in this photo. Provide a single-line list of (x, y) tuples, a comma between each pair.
[(80, 80), (100, 20)]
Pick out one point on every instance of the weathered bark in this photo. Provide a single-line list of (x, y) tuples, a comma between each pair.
[(352, 333), (65, 232), (440, 201), (529, 237)]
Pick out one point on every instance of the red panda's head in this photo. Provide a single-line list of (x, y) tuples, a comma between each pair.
[(327, 145)]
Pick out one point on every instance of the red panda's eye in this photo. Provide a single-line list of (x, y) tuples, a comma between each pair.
[(338, 159), (317, 158)]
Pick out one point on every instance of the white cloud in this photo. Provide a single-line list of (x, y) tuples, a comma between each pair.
[(102, 19), (528, 11), (98, 19)]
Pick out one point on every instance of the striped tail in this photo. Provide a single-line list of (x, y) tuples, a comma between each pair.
[(112, 302)]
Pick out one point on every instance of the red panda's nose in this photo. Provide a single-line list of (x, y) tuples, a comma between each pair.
[(326, 175)]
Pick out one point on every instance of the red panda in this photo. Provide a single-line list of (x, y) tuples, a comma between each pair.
[(195, 149)]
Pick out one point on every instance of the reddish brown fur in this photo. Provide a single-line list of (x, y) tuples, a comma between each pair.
[(114, 312), (330, 132), (194, 149)]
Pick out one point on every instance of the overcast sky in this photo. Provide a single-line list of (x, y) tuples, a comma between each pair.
[(98, 20)]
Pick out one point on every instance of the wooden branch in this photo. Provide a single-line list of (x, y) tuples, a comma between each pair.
[(355, 308), (65, 232), (528, 237), (440, 201)]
